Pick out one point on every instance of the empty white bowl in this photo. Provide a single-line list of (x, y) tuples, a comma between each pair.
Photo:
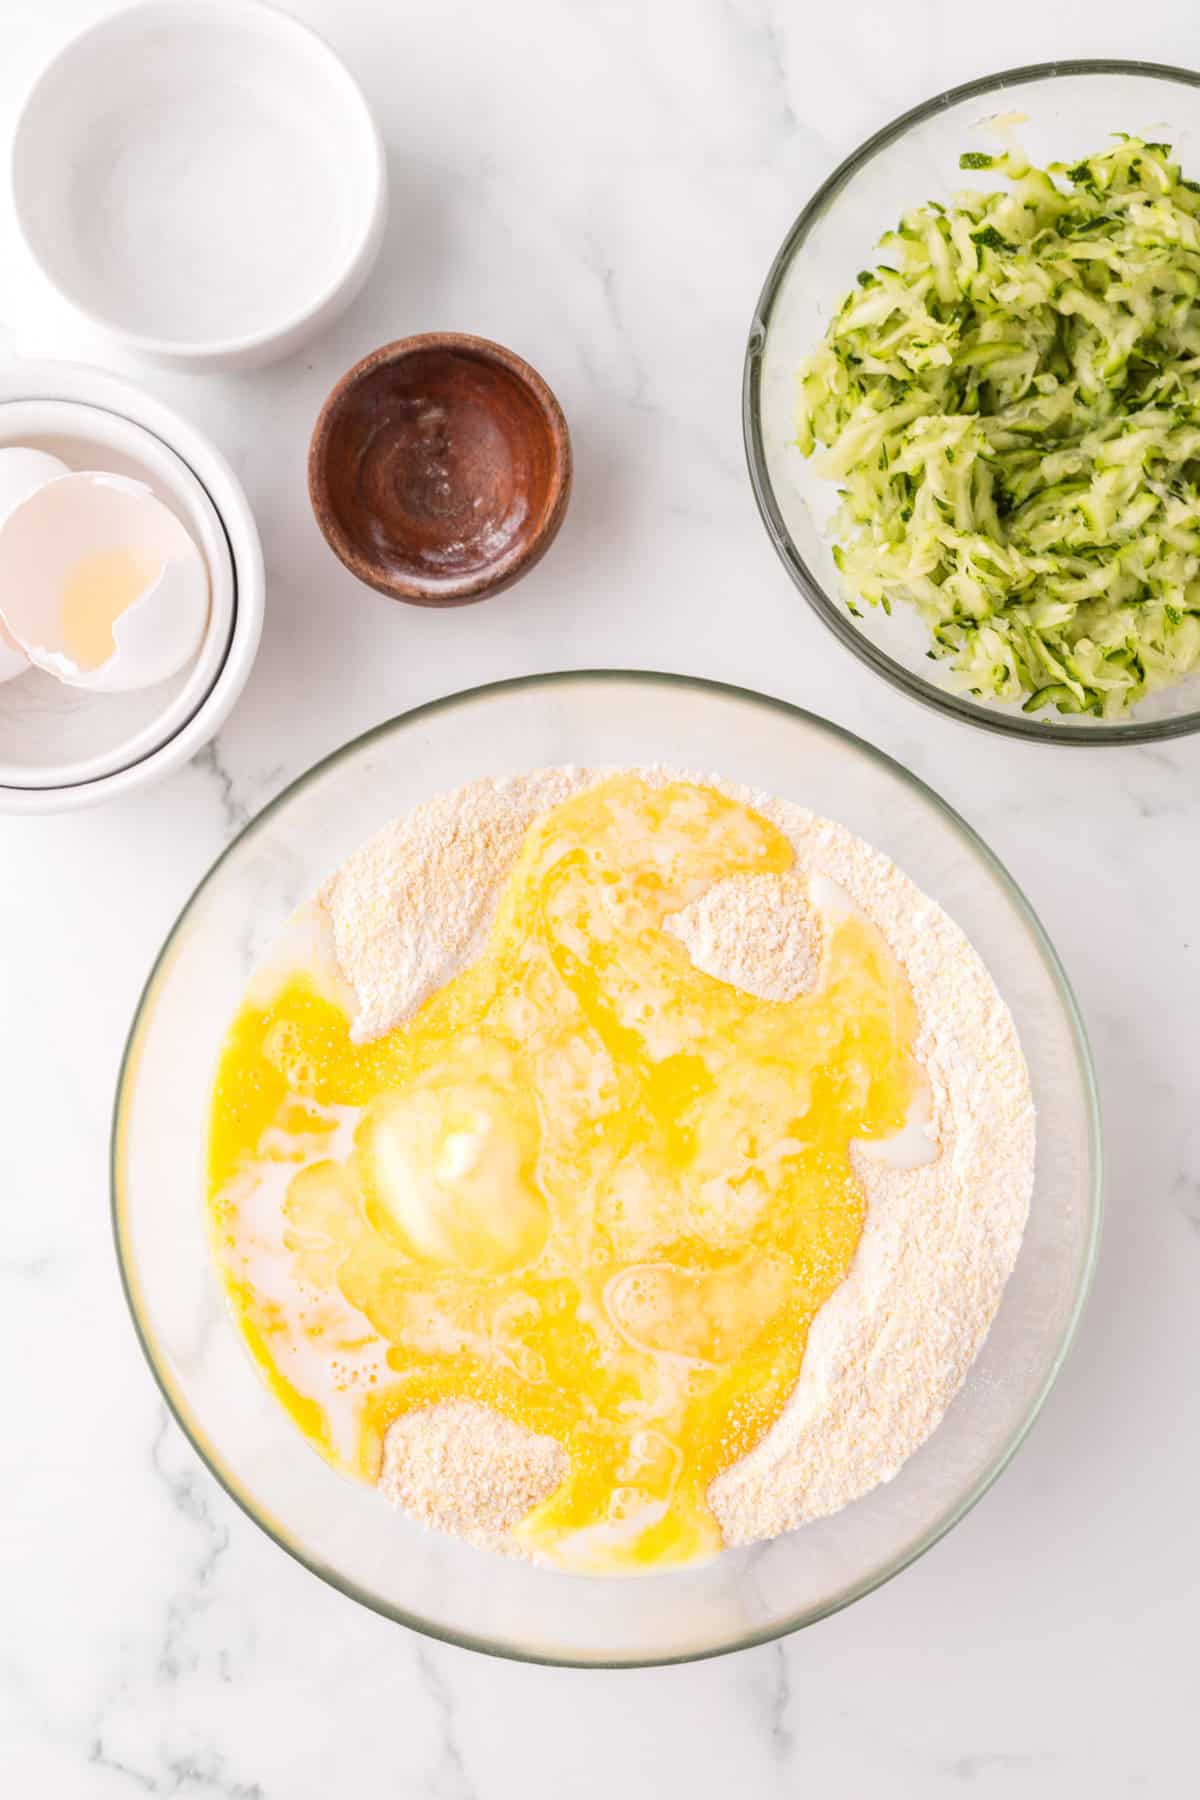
[(61, 747), (201, 178)]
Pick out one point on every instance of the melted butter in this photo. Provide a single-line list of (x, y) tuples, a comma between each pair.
[(587, 1185)]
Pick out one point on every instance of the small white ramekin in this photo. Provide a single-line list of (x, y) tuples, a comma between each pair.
[(178, 460), (52, 735), (203, 179)]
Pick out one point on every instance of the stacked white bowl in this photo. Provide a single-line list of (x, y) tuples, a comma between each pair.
[(266, 227), (63, 747)]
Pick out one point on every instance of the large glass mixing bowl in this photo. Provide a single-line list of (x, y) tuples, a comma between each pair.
[(343, 1530), (1062, 110)]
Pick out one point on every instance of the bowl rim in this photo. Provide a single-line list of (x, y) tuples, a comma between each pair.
[(1018, 725), (490, 578), (218, 16), (130, 1281), (120, 394)]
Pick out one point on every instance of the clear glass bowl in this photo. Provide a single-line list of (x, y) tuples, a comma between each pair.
[(343, 1530), (1070, 110)]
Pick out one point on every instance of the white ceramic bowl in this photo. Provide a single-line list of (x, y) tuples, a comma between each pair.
[(61, 748), (52, 735), (202, 178)]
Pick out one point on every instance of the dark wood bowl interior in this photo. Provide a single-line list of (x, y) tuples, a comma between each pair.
[(440, 469)]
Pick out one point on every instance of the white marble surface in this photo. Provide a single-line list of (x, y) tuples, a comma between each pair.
[(600, 185)]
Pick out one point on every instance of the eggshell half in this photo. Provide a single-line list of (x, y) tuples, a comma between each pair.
[(22, 472), (84, 515), (13, 660)]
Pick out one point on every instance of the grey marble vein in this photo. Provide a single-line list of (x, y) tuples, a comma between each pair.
[(191, 1494), (1186, 1189), (1015, 1766), (450, 1779), (762, 29), (177, 1775), (234, 811), (42, 1266), (782, 1739)]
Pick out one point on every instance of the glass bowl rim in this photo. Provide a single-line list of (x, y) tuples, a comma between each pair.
[(1018, 725), (178, 1408)]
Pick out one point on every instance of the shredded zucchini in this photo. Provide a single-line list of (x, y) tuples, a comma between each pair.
[(1010, 404)]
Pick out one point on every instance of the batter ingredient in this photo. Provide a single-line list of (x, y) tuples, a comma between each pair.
[(1007, 404), (716, 1035), (592, 1187)]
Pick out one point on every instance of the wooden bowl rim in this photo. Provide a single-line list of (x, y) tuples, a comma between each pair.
[(513, 562)]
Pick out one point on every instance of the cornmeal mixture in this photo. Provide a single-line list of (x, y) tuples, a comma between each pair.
[(614, 1168)]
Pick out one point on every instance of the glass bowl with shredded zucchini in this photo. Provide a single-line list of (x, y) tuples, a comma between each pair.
[(972, 402)]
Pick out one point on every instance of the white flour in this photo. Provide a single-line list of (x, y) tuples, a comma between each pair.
[(889, 1350)]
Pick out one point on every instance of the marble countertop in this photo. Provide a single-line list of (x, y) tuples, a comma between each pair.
[(601, 186)]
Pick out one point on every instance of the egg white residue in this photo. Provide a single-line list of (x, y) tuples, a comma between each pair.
[(22, 472), (263, 1256), (588, 1550), (100, 584), (915, 1143)]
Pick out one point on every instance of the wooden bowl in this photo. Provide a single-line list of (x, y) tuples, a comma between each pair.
[(440, 469)]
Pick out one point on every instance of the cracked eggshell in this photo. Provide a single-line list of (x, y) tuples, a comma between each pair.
[(87, 514), (22, 472), (13, 660)]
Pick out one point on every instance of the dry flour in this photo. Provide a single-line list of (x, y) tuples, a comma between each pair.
[(889, 1350)]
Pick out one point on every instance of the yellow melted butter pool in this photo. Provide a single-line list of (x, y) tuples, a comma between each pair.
[(586, 1184)]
